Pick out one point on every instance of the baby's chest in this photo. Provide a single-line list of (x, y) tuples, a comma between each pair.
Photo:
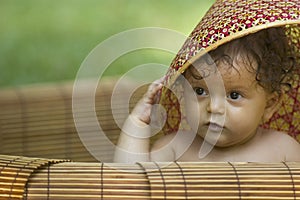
[(255, 154)]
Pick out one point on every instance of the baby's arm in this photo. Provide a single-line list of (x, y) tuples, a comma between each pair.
[(134, 140)]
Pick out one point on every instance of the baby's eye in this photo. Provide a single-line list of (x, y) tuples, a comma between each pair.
[(234, 95), (200, 91)]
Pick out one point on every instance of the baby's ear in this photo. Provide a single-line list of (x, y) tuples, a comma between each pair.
[(273, 101)]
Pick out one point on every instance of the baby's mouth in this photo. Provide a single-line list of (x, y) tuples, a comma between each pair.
[(215, 127)]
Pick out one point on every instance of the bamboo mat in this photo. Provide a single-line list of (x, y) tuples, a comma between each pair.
[(38, 121), (14, 174), (51, 179)]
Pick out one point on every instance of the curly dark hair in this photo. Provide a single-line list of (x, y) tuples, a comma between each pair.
[(270, 50)]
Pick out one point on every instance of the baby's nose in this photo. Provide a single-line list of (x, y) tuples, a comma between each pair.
[(216, 106)]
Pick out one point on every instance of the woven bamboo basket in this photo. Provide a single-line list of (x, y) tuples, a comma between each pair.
[(37, 120), (37, 179)]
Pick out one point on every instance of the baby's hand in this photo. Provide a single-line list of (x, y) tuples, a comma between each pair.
[(142, 110)]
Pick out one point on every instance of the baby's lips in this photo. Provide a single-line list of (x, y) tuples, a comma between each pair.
[(214, 127)]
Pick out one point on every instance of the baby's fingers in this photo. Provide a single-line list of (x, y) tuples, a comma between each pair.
[(143, 109), (153, 93)]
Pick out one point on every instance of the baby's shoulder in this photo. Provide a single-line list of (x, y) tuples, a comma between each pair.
[(163, 140), (162, 149), (284, 142), (171, 146), (278, 137)]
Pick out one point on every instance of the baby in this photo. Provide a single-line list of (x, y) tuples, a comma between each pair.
[(228, 93), (228, 118)]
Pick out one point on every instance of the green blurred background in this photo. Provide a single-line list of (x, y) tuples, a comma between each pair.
[(47, 40)]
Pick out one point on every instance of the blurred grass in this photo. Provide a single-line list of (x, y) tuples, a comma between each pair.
[(47, 40)]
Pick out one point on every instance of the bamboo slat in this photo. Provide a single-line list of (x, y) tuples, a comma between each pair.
[(38, 120), (14, 174), (32, 179)]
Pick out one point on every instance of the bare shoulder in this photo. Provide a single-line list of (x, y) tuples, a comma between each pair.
[(162, 149), (287, 144), (172, 146)]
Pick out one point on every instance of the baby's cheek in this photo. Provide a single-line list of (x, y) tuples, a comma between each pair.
[(194, 115), (241, 119)]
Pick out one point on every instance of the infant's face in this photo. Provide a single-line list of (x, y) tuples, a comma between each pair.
[(234, 108)]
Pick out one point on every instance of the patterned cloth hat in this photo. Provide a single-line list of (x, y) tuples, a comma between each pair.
[(225, 21)]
